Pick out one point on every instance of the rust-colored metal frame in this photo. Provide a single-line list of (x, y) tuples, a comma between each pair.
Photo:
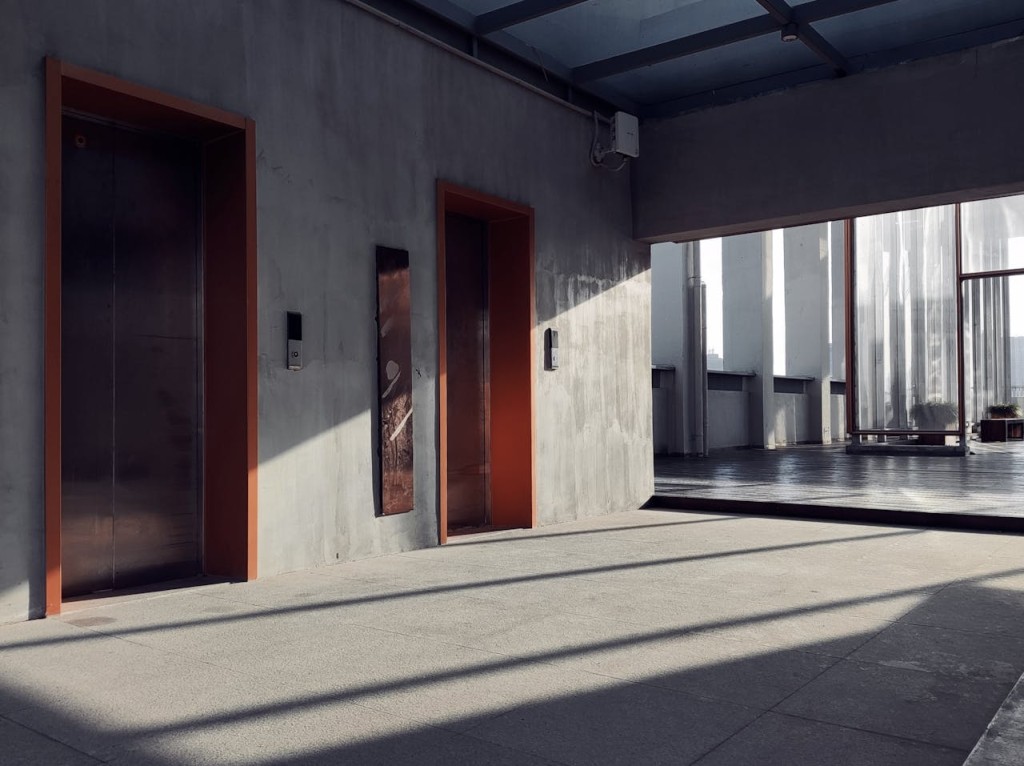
[(963, 278), (961, 398), (229, 244), (510, 241), (851, 385)]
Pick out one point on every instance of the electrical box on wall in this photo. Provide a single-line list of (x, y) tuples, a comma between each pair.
[(625, 134), (551, 349), (294, 340)]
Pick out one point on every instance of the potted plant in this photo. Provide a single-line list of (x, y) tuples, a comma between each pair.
[(1004, 410), (934, 415)]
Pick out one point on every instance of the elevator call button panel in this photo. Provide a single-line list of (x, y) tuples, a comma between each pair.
[(294, 340)]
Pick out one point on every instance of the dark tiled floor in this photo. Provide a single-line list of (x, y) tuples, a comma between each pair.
[(989, 482)]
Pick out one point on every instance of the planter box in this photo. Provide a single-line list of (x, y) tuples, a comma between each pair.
[(940, 440), (1002, 429)]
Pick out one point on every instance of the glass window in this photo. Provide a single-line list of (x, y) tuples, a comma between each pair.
[(993, 234), (993, 343), (905, 331)]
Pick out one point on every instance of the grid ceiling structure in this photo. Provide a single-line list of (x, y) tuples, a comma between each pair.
[(662, 57)]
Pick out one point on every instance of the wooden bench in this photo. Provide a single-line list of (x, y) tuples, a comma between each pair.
[(1002, 429)]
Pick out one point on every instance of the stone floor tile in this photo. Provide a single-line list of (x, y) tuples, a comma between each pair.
[(712, 667), (1002, 744), (320, 734), (988, 607), (989, 657), (781, 740), (96, 710), (20, 746), (626, 725), (628, 638), (925, 707), (421, 679)]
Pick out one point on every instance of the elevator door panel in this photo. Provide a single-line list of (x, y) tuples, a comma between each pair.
[(156, 351), (148, 399), (467, 352), (87, 358)]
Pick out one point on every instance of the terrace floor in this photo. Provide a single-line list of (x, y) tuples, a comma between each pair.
[(647, 637), (988, 483)]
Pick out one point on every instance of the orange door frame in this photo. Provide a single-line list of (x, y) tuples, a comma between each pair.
[(510, 245), (229, 337)]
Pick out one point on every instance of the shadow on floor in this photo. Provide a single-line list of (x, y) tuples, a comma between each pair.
[(915, 689)]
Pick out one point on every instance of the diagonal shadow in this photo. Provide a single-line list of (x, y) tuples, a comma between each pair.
[(511, 663), (464, 542), (582, 572), (682, 688)]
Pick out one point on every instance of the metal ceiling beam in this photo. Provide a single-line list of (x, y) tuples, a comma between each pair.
[(452, 26), (949, 44), (517, 13), (819, 10), (782, 12), (721, 36), (778, 10), (737, 92), (823, 49), (674, 49), (882, 59)]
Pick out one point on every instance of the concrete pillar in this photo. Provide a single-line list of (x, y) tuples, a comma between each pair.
[(838, 275), (747, 326), (696, 352), (808, 320), (670, 321)]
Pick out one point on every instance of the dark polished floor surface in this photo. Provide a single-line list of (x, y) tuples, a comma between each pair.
[(988, 483)]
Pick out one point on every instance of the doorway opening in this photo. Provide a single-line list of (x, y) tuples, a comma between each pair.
[(486, 364), (150, 403)]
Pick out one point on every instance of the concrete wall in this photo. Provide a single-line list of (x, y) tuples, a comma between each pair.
[(921, 133), (837, 405), (356, 119), (669, 341), (728, 419), (668, 320), (663, 411), (794, 423)]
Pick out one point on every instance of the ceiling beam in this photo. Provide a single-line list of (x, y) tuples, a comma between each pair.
[(759, 87), (737, 92), (823, 49), (674, 49), (517, 13), (778, 10), (817, 10), (782, 12), (973, 38)]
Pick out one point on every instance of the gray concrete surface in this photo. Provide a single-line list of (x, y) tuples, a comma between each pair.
[(642, 637), (912, 135), (355, 122), (1003, 741)]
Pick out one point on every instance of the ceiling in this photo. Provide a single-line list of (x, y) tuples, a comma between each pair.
[(662, 57)]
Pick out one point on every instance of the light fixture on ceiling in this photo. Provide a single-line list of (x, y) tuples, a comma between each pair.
[(789, 33)]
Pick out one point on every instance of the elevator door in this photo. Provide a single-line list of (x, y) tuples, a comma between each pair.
[(466, 276), (130, 359)]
